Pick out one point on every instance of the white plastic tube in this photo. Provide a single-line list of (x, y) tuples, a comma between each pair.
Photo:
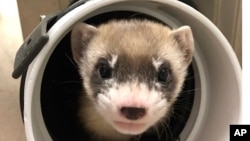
[(217, 101)]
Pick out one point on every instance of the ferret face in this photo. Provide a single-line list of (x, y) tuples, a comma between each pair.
[(132, 70)]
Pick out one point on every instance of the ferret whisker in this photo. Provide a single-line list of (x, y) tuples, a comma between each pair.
[(71, 60), (131, 16), (180, 118), (192, 90), (179, 115), (182, 107), (157, 128), (164, 124), (67, 82), (157, 131), (183, 104), (168, 130), (137, 138), (189, 92), (190, 77)]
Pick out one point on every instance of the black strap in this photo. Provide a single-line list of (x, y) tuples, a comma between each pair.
[(31, 47)]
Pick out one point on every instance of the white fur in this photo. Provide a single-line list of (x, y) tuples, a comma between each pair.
[(156, 63), (113, 60), (133, 94)]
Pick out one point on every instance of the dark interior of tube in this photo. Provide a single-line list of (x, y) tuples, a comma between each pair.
[(61, 87)]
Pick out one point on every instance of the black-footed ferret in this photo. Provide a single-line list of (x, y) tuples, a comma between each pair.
[(133, 71)]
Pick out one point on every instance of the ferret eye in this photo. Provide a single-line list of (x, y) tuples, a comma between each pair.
[(163, 75), (104, 71)]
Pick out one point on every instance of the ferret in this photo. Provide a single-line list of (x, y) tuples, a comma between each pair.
[(132, 72)]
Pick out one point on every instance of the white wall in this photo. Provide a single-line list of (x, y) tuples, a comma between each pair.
[(227, 16), (11, 126)]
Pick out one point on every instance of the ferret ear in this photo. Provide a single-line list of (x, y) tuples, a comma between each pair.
[(80, 37), (184, 38)]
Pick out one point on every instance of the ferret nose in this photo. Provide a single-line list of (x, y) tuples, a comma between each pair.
[(133, 113)]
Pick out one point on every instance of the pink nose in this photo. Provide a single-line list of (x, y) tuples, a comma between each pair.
[(133, 113)]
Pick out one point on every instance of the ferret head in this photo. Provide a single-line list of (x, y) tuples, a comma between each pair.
[(132, 70)]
